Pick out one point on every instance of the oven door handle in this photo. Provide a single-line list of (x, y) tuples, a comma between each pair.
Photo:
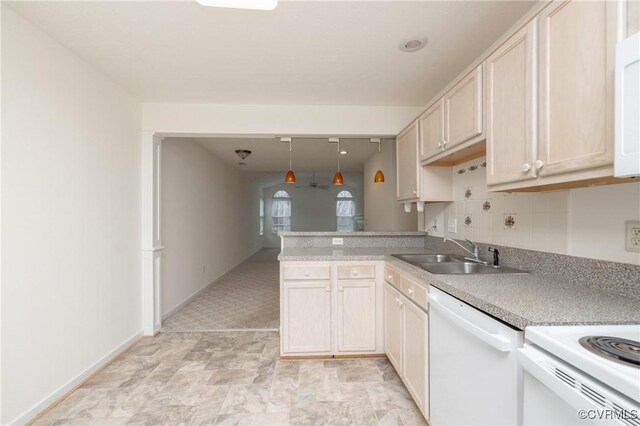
[(498, 341)]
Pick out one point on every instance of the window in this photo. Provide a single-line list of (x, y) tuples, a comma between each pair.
[(345, 211), (281, 210), (261, 216)]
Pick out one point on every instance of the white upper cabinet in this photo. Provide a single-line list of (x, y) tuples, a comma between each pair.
[(576, 87), (510, 108), (431, 126), (408, 183), (463, 110)]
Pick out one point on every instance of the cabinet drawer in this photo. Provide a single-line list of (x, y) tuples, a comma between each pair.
[(307, 272), (414, 291), (392, 277), (356, 272)]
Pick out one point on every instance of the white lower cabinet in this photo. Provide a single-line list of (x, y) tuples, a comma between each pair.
[(415, 363), (331, 308), (406, 332), (393, 326), (356, 316), (307, 322)]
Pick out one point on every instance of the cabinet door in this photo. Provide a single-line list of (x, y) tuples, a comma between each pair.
[(416, 354), (393, 327), (432, 131), (407, 163), (463, 110), (307, 317), (575, 86), (510, 73), (356, 316)]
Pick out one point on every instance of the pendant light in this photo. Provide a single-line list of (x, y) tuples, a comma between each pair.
[(289, 177), (337, 178), (379, 176)]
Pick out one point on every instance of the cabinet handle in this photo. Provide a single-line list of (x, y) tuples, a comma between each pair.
[(340, 288), (327, 288), (306, 273), (355, 273), (526, 167), (538, 164)]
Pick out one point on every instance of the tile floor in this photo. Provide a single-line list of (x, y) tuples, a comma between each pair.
[(235, 378), (245, 298)]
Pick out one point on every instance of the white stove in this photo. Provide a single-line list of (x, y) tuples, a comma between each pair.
[(592, 387)]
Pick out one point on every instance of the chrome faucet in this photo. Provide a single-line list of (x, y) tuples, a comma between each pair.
[(473, 252)]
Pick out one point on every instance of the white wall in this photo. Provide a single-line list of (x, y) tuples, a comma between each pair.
[(276, 119), (381, 211), (209, 215), (587, 222), (70, 218), (597, 221), (312, 209)]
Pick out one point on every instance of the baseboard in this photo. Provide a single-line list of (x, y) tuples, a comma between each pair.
[(58, 396), (198, 292)]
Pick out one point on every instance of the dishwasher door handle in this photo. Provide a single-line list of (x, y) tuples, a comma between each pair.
[(498, 341)]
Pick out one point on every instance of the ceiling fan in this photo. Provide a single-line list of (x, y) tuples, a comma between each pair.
[(313, 184)]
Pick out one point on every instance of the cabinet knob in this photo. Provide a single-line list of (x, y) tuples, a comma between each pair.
[(439, 144), (526, 167), (410, 291), (390, 278), (327, 288), (340, 288), (397, 300), (355, 273), (401, 303), (538, 164), (306, 273), (444, 145), (415, 192)]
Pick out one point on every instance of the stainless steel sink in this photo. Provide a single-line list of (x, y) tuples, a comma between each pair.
[(460, 268), (452, 264), (419, 259)]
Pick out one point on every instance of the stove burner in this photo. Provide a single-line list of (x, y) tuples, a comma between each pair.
[(616, 349)]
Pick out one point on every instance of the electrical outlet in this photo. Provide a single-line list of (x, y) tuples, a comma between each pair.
[(337, 241), (452, 225), (632, 235)]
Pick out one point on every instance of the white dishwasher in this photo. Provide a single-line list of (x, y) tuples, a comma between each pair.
[(475, 377)]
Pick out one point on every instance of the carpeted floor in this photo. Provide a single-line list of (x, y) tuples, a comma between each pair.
[(247, 297)]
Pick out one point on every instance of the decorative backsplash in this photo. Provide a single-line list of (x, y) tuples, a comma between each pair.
[(536, 221)]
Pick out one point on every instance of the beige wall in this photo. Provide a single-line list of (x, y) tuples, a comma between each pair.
[(381, 211), (209, 217), (71, 292), (587, 222)]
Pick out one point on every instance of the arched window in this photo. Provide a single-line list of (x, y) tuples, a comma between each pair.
[(345, 211), (281, 212)]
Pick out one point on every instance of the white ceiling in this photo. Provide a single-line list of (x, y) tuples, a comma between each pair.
[(308, 155), (303, 52)]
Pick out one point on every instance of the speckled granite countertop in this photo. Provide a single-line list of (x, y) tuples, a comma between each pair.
[(520, 300)]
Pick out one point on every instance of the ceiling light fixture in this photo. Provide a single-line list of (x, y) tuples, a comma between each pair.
[(289, 177), (243, 153), (412, 45), (379, 176), (241, 4), (337, 178)]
